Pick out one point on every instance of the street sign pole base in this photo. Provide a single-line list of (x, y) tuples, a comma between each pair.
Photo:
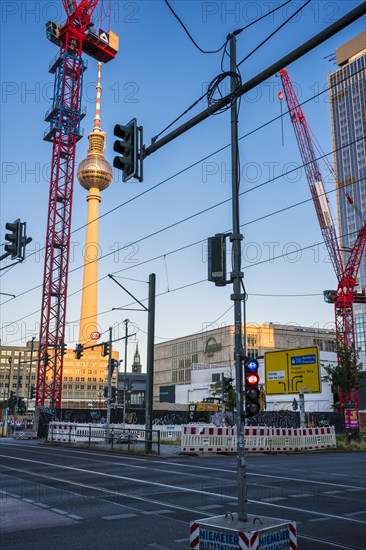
[(228, 533)]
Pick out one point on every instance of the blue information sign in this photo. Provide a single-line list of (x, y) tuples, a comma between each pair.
[(303, 360)]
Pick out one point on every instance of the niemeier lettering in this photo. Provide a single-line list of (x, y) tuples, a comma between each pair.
[(274, 541), (216, 540)]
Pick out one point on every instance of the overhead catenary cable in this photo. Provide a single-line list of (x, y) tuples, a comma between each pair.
[(210, 155), (274, 32), (242, 29), (301, 249), (202, 211)]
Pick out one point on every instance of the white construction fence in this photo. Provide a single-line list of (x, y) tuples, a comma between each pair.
[(210, 439)]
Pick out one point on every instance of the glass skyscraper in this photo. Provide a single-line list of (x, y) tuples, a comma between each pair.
[(347, 95)]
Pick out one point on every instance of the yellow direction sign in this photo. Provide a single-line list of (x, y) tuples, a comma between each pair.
[(292, 370)]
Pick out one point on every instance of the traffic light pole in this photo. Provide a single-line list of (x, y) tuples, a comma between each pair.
[(150, 362), (109, 393), (126, 321), (237, 296)]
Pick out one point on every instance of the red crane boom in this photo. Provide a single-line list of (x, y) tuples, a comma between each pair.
[(64, 116), (345, 295)]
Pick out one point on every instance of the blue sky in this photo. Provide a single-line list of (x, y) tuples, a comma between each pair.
[(157, 74)]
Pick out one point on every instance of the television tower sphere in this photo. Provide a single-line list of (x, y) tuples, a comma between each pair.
[(94, 170)]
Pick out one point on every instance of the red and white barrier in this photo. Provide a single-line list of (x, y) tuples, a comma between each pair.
[(211, 439)]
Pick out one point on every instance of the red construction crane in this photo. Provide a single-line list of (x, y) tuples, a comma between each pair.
[(73, 38), (345, 295)]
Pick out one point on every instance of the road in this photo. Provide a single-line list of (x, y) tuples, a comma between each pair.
[(57, 497)]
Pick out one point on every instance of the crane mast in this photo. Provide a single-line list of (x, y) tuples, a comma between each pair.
[(64, 117), (345, 296)]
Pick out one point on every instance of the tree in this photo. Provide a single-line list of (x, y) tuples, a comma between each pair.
[(229, 396), (346, 374)]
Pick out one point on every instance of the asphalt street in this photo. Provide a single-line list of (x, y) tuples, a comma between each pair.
[(55, 497)]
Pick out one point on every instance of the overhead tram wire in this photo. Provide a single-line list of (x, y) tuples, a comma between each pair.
[(187, 246), (215, 83), (242, 29), (202, 211), (169, 178), (274, 32), (302, 249)]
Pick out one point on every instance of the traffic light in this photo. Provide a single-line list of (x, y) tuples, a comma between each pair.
[(106, 349), (113, 393), (105, 391), (227, 384), (46, 359), (216, 259), (128, 146), (252, 392), (32, 392), (114, 364), (63, 347), (79, 351), (15, 238)]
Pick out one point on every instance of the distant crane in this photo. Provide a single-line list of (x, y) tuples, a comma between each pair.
[(73, 38), (345, 295)]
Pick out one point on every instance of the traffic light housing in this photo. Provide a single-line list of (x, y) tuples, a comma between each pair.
[(106, 349), (15, 239), (216, 259), (63, 347), (79, 351), (128, 146), (252, 392), (113, 393), (227, 384), (46, 359), (32, 392)]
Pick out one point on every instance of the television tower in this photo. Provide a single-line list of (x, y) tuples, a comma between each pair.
[(95, 175)]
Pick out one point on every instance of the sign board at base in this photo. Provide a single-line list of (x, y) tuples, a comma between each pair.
[(351, 418), (290, 371)]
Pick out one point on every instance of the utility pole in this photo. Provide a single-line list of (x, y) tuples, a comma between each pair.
[(109, 392), (150, 361), (17, 393), (126, 321), (30, 370), (237, 296), (302, 409)]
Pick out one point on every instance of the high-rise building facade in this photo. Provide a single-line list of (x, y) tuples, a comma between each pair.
[(347, 96)]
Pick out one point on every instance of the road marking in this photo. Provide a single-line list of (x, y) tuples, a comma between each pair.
[(73, 516), (28, 500), (186, 539), (156, 512), (120, 516), (209, 506), (158, 546), (300, 495), (96, 474), (318, 519), (356, 513), (41, 504), (96, 457), (58, 511), (273, 499), (332, 492)]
